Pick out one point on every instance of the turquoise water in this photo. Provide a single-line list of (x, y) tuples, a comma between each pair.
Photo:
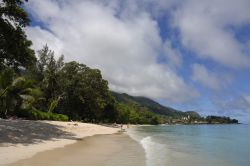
[(195, 145)]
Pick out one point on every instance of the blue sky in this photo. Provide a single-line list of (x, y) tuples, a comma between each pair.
[(191, 54)]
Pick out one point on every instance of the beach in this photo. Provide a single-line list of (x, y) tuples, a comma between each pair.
[(100, 150), (24, 142)]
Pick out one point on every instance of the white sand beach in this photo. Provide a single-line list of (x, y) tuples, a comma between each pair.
[(21, 139), (99, 150)]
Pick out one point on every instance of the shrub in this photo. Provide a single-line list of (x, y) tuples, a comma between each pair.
[(34, 114)]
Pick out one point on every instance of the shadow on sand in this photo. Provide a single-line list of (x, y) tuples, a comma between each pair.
[(30, 132)]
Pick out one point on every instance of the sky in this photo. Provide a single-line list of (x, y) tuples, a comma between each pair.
[(188, 54)]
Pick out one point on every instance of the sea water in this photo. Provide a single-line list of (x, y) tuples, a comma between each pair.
[(194, 145)]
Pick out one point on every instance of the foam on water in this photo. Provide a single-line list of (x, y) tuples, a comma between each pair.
[(206, 145), (156, 154)]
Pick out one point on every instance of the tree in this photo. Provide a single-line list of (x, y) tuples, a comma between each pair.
[(16, 93), (155, 120), (6, 78), (110, 113), (86, 93), (15, 49), (124, 113), (47, 73)]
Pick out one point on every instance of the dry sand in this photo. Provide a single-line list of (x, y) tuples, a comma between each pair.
[(21, 139), (100, 150)]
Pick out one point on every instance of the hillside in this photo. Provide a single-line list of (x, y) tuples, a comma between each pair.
[(152, 106)]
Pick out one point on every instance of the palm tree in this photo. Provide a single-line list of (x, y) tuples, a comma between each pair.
[(19, 94), (6, 77)]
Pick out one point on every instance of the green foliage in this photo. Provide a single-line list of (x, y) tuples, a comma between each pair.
[(58, 91), (220, 120), (151, 105), (72, 89), (17, 92), (53, 105), (35, 114), (15, 49), (110, 113), (124, 113), (84, 91), (9, 88), (47, 72), (193, 114), (130, 113), (6, 78)]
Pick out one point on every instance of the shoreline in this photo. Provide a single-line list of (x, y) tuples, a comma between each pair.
[(22, 139), (98, 150)]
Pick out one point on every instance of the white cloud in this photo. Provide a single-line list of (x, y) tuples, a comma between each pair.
[(204, 29), (209, 79), (237, 106), (41, 37), (124, 44), (240, 103), (173, 55)]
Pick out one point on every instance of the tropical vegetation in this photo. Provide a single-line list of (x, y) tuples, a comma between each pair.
[(39, 86)]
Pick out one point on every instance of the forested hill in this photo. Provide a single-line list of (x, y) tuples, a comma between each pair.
[(153, 106)]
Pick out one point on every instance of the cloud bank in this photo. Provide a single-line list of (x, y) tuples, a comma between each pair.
[(212, 80), (124, 44), (125, 40)]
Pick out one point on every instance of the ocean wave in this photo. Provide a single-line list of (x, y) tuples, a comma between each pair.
[(156, 153)]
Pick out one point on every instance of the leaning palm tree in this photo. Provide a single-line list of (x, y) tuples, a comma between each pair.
[(31, 97), (17, 95)]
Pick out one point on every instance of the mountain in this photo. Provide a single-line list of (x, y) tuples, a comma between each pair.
[(152, 106), (193, 114)]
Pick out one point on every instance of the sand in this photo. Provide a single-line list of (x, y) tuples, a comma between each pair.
[(22, 139), (101, 150)]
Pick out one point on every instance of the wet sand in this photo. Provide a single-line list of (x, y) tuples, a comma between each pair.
[(99, 150), (22, 139)]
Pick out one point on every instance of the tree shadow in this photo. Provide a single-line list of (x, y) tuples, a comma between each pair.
[(30, 132)]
